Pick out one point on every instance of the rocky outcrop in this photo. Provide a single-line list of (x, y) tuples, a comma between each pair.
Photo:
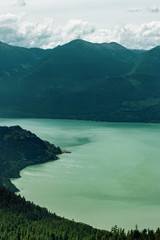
[(64, 151)]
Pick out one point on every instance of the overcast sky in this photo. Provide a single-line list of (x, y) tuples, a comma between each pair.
[(48, 23)]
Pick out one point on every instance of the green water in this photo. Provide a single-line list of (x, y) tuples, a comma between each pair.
[(112, 176)]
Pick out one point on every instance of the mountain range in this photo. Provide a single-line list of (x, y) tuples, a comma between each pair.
[(81, 80)]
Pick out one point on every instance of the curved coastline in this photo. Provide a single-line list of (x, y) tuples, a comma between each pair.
[(19, 149), (8, 182)]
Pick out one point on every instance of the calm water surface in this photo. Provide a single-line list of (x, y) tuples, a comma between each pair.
[(112, 176)]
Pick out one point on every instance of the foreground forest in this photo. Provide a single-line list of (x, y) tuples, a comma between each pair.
[(23, 220)]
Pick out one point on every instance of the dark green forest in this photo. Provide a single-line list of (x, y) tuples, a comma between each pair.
[(23, 220), (20, 148), (81, 80)]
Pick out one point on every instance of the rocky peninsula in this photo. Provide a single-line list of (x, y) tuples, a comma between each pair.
[(20, 148)]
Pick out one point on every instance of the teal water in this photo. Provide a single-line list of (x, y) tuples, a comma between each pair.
[(112, 176)]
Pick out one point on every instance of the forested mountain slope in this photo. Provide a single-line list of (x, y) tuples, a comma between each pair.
[(22, 220), (82, 80), (20, 148), (15, 62)]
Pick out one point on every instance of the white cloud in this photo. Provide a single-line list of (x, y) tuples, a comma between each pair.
[(77, 28), (132, 10), (16, 30), (140, 10), (153, 10), (143, 36), (8, 19), (20, 3)]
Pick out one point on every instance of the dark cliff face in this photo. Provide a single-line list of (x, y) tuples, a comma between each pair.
[(20, 148)]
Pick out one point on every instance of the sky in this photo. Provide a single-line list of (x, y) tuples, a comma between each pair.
[(48, 23)]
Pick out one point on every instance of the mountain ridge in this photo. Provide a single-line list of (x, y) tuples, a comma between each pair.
[(90, 81)]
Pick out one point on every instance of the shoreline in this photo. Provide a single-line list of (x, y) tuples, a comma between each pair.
[(7, 182)]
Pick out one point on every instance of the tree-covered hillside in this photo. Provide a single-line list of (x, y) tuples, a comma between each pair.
[(20, 148), (22, 220), (17, 61), (82, 80)]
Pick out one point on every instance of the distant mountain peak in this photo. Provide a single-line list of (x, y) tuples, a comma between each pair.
[(78, 42), (80, 80), (116, 45), (83, 43)]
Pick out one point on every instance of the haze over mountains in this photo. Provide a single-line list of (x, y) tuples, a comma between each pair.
[(80, 80)]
